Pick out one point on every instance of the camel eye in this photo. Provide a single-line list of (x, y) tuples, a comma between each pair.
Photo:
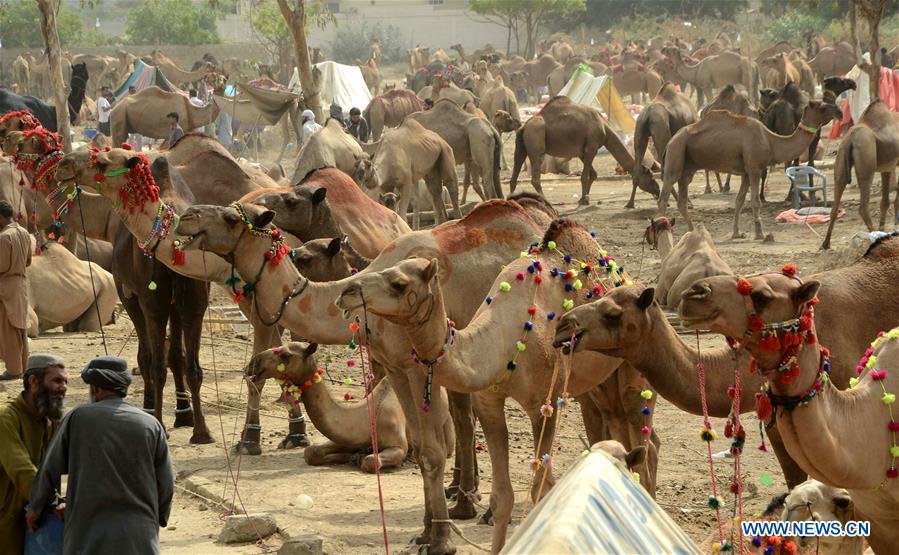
[(613, 318), (761, 298), (398, 286)]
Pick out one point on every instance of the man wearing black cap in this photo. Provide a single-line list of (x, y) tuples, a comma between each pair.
[(120, 485), (27, 424)]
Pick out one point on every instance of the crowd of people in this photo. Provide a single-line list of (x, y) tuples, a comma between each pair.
[(355, 125)]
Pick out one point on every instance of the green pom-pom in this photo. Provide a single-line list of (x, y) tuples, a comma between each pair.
[(152, 286), (505, 287), (520, 346), (551, 245), (352, 344), (715, 502), (567, 304)]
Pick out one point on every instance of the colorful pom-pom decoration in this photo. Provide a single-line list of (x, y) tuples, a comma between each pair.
[(708, 435), (646, 394), (280, 367), (505, 287), (546, 410)]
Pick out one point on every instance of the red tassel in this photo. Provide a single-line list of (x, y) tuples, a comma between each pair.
[(729, 430), (238, 296), (756, 323), (763, 407), (770, 343), (811, 339), (789, 270), (37, 251), (753, 366), (178, 257), (894, 426), (744, 286)]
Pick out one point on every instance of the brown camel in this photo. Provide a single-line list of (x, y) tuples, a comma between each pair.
[(476, 359), (474, 141), (872, 146), (372, 76), (779, 70), (389, 110), (724, 142), (501, 108), (331, 147), (807, 81), (714, 72), (834, 60), (665, 115), (693, 257), (852, 452), (328, 259), (537, 74), (560, 75), (636, 83), (345, 426), (409, 153), (176, 73), (144, 112), (568, 130)]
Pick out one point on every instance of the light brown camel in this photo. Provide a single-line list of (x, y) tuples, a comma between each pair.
[(812, 500), (344, 425), (807, 81), (474, 141), (389, 110), (501, 108), (737, 103), (834, 60), (666, 114), (537, 73), (443, 87), (21, 72), (724, 142), (871, 146), (714, 72), (565, 129), (561, 51), (851, 452), (693, 257), (144, 112), (418, 57), (101, 70), (330, 147), (409, 153), (175, 73), (486, 358), (636, 83), (328, 259), (372, 76), (779, 70)]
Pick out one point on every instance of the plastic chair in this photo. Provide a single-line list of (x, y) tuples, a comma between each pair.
[(799, 178)]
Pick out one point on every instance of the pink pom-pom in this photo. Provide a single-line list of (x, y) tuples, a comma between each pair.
[(645, 430)]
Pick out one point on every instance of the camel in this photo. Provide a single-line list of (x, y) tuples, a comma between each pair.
[(501, 108), (409, 153), (812, 500), (372, 76), (474, 141), (636, 82), (476, 359), (665, 115), (39, 72), (103, 70), (176, 73), (833, 60), (418, 57), (345, 426), (390, 109), (442, 87), (568, 130), (21, 73), (330, 147), (441, 56), (714, 72), (779, 70), (807, 81), (328, 259), (852, 452), (693, 257), (144, 112), (871, 146), (724, 142), (537, 73), (558, 77)]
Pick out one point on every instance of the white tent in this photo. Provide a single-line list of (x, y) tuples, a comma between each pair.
[(340, 84), (599, 92)]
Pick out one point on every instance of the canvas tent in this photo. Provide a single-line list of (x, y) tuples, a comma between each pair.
[(143, 76), (599, 92), (340, 84)]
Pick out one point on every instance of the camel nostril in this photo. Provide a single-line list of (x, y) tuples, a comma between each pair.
[(698, 291)]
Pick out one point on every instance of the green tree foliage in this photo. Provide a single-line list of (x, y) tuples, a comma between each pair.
[(20, 25), (352, 43), (791, 26), (525, 17), (606, 14), (171, 22)]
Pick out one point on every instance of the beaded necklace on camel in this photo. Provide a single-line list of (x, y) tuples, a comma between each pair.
[(41, 166), (291, 391)]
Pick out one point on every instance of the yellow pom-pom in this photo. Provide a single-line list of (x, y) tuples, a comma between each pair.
[(646, 394), (577, 285), (628, 282), (152, 286), (888, 398), (316, 378), (348, 381), (716, 547), (522, 254), (585, 452), (280, 367), (567, 304), (635, 476), (872, 360), (551, 245), (853, 382), (893, 333), (894, 450), (505, 287), (583, 265), (520, 346)]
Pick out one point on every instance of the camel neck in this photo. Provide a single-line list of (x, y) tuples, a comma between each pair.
[(618, 151), (330, 417), (786, 148), (665, 242)]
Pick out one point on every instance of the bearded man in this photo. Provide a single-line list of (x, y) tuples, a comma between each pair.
[(27, 424)]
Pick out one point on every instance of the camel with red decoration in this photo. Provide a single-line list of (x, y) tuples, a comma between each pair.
[(506, 352), (845, 439)]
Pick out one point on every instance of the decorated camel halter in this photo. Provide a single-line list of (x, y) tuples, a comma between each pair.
[(42, 168), (430, 363), (140, 187), (25, 117), (290, 390), (869, 363)]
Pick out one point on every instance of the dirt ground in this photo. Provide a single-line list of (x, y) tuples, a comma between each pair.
[(344, 510)]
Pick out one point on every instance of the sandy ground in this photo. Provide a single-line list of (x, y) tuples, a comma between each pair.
[(345, 503)]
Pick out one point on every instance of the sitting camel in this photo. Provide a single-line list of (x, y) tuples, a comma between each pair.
[(693, 257), (330, 147), (494, 357), (856, 450), (345, 426), (666, 114), (409, 153), (871, 146), (566, 129), (736, 144), (812, 500)]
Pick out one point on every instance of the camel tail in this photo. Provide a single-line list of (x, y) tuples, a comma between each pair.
[(521, 151), (842, 166), (497, 148)]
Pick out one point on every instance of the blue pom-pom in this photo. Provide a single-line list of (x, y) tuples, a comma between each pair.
[(757, 541), (569, 287), (593, 234), (550, 315), (646, 411), (528, 326), (554, 272), (589, 294), (568, 258), (488, 300), (531, 269), (769, 550), (602, 262)]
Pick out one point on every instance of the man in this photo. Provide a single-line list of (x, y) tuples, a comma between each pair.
[(120, 482), (336, 113), (309, 127), (15, 256), (357, 126), (175, 132), (136, 140), (27, 424), (104, 107)]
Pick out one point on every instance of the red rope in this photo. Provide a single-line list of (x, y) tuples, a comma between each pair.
[(738, 429), (700, 368)]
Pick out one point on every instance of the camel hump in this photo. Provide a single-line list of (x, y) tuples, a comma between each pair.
[(667, 90), (876, 113), (884, 247), (490, 211), (571, 238)]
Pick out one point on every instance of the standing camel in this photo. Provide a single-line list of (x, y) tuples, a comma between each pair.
[(714, 72), (565, 129), (737, 103), (736, 144)]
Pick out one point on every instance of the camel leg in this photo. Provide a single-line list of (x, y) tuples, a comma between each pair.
[(629, 387), (402, 206), (896, 201), (156, 308), (536, 162), (756, 204), (176, 361), (466, 181), (435, 188), (864, 189), (726, 188), (738, 207), (708, 188), (491, 413), (594, 422), (133, 309), (192, 298), (630, 202), (683, 199), (887, 182), (249, 443), (588, 175), (838, 189), (463, 419), (390, 457), (328, 453), (545, 441)]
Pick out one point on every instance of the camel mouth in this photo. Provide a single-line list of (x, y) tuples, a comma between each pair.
[(697, 322), (571, 344), (349, 301)]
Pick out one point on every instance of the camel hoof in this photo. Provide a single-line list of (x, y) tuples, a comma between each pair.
[(445, 548), (766, 239), (421, 539), (584, 201), (463, 510), (244, 448), (451, 491), (201, 438), (738, 236), (708, 191), (293, 441), (486, 518), (368, 464), (629, 205), (184, 420)]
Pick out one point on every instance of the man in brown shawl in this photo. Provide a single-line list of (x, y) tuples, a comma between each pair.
[(15, 256)]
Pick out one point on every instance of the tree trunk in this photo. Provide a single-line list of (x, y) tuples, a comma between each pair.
[(853, 29), (509, 38), (874, 72), (60, 92), (296, 22)]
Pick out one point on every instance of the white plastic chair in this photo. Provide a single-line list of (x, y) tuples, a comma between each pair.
[(799, 178)]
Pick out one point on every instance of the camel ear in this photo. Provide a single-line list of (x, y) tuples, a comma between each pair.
[(646, 298), (431, 270), (319, 195), (806, 292), (334, 246), (672, 220), (264, 219), (132, 162), (842, 502), (310, 350), (635, 457)]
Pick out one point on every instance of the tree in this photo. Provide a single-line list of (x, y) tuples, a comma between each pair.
[(297, 15), (19, 31), (274, 36), (60, 91), (524, 15), (171, 22), (872, 11)]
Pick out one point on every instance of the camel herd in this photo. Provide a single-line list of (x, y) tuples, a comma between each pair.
[(504, 299)]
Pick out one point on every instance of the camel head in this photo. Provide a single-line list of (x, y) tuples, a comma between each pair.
[(389, 200), (768, 62), (365, 174), (322, 259), (504, 122), (838, 85), (657, 226), (812, 500), (819, 113), (111, 169), (403, 294), (618, 321), (222, 229), (767, 97), (631, 460), (295, 361), (11, 142), (303, 211), (22, 120)]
